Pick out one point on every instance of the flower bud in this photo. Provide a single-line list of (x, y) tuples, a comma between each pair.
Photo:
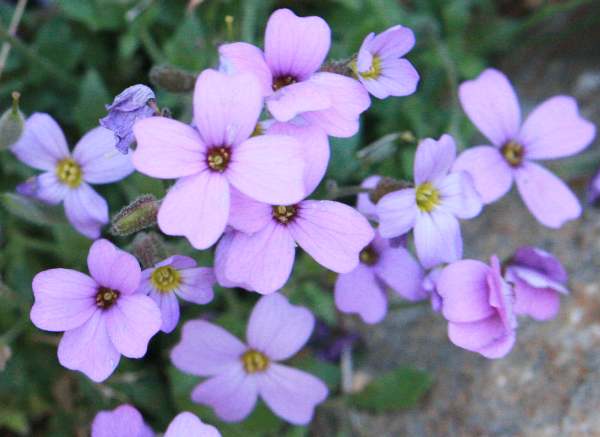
[(172, 79), (138, 215), (149, 248), (385, 186), (11, 124)]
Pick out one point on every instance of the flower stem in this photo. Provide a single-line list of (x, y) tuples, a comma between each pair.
[(12, 29)]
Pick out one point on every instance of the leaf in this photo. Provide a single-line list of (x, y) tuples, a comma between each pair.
[(30, 210), (92, 98), (401, 388), (14, 420), (95, 14), (185, 48)]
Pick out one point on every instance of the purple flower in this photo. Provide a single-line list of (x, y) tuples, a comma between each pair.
[(187, 424), (594, 189), (218, 155), (429, 284), (380, 67), (259, 254), (123, 421), (434, 206), (238, 373), (553, 130), (363, 290), (295, 48), (102, 315), (478, 305), (539, 279), (363, 201), (177, 276), (127, 108), (68, 175)]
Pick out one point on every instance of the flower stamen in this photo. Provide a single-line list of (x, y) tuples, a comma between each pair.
[(165, 279), (374, 72), (513, 153), (69, 172), (369, 256), (428, 197), (106, 297), (254, 361), (285, 213), (283, 81), (218, 158)]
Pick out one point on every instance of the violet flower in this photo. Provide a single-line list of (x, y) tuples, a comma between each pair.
[(68, 176), (103, 317), (553, 130), (216, 156), (593, 192), (123, 421), (539, 279), (177, 276), (434, 206), (295, 48), (126, 109), (237, 373), (478, 305), (380, 67), (187, 424)]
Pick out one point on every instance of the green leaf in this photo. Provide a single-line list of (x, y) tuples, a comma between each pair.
[(30, 210), (95, 14), (184, 49), (401, 388), (15, 421), (92, 98)]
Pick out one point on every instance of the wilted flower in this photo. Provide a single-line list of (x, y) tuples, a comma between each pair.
[(177, 276), (238, 373), (68, 175), (102, 315), (433, 207), (125, 110), (553, 130)]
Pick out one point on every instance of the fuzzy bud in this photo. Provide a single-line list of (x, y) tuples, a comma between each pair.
[(149, 248), (172, 79), (139, 214), (11, 124), (385, 186)]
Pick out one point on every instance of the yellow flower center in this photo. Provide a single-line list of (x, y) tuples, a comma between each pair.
[(165, 279), (69, 172), (428, 197), (375, 71), (284, 213), (368, 256), (254, 361), (513, 153), (218, 158), (106, 297)]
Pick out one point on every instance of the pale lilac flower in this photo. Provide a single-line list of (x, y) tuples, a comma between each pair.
[(103, 317), (260, 254), (177, 276), (186, 424), (68, 176), (363, 200), (433, 207), (239, 373), (214, 157), (363, 290), (295, 48), (126, 109), (539, 279), (553, 130), (123, 421), (429, 285), (380, 66), (478, 305)]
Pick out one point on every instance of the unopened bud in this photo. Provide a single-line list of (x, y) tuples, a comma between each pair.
[(139, 214), (172, 79), (11, 123), (385, 186), (149, 248)]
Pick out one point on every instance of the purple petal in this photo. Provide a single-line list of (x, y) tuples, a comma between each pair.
[(86, 210), (398, 269), (491, 104), (533, 278), (363, 201), (297, 98), (538, 303), (269, 168), (241, 57), (434, 159), (502, 295), (459, 195), (295, 46), (178, 262), (169, 309), (100, 162), (42, 143), (477, 336), (437, 238), (49, 189), (542, 261), (232, 394), (332, 233), (278, 328), (64, 299), (491, 174), (206, 349), (132, 98), (397, 213), (197, 285), (89, 349), (394, 42), (593, 193), (221, 259), (187, 424), (197, 208), (167, 148), (500, 347), (358, 292), (226, 108), (247, 215), (550, 201), (113, 268), (123, 421), (555, 129), (292, 394)]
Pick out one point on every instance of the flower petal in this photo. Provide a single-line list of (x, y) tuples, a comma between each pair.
[(86, 210), (358, 292), (187, 424), (475, 336), (197, 285), (206, 349), (459, 195), (538, 303), (278, 328), (113, 268), (397, 213), (363, 201), (393, 42), (555, 129), (169, 309), (434, 159), (197, 208), (248, 215), (332, 233), (49, 189), (89, 349), (398, 78), (491, 104), (437, 238), (398, 269), (221, 258), (241, 57), (548, 198), (297, 98), (541, 261), (123, 421)]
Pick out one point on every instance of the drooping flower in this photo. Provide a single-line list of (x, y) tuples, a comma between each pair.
[(68, 176), (479, 307), (187, 424), (239, 373), (215, 156), (553, 130), (363, 290), (103, 317), (125, 110), (433, 206), (123, 421), (177, 276), (295, 48), (539, 279), (380, 67)]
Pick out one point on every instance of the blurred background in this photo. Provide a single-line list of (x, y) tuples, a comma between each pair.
[(70, 58)]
